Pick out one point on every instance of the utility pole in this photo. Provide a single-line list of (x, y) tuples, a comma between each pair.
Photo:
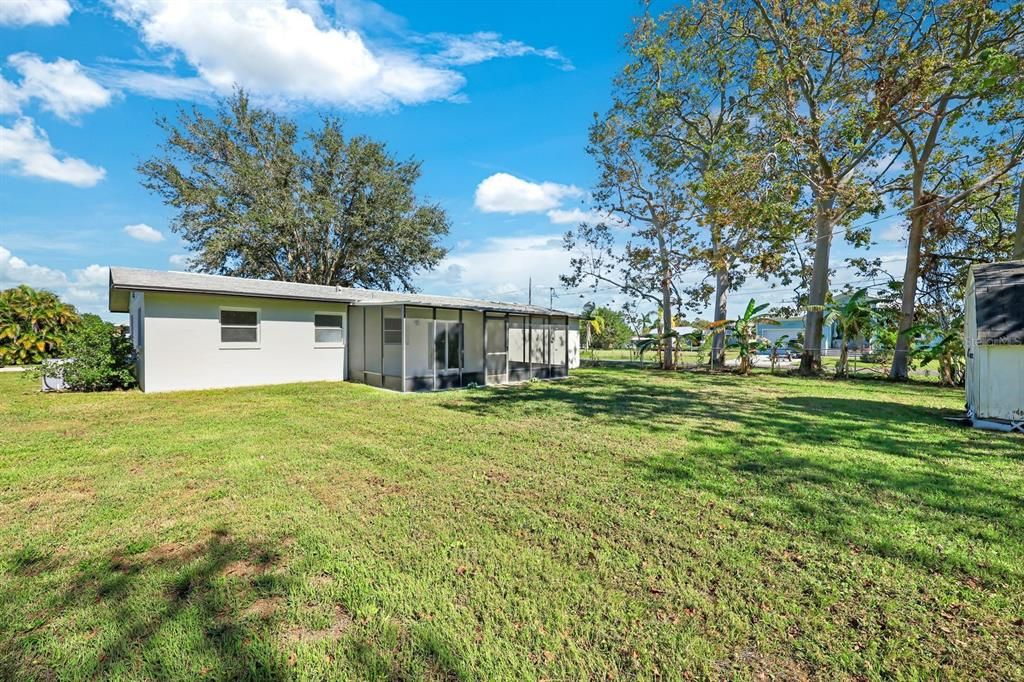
[(529, 293), (551, 299)]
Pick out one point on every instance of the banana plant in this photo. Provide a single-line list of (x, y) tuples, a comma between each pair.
[(856, 317), (945, 346), (744, 332)]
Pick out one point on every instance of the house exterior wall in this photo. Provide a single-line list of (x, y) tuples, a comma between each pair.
[(137, 325), (183, 348), (574, 344)]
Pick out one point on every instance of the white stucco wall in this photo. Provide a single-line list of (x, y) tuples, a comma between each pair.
[(137, 325), (183, 349), (1000, 382), (574, 343)]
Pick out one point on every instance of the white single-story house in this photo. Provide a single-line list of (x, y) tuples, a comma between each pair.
[(194, 331), (994, 343)]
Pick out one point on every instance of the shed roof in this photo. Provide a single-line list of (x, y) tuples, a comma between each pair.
[(999, 302), (125, 280)]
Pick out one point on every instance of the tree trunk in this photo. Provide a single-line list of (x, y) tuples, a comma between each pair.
[(900, 359), (667, 357), (1018, 241), (841, 365), (723, 280), (810, 359)]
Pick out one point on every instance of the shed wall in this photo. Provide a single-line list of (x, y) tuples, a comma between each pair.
[(1000, 382)]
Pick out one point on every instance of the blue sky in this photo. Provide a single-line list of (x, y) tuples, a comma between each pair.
[(493, 97)]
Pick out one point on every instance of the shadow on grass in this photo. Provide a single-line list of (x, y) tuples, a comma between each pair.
[(874, 466), (140, 633)]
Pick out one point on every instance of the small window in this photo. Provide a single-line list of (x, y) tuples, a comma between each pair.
[(239, 327), (392, 330), (329, 329)]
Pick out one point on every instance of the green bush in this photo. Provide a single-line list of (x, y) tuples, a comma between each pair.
[(97, 357), (34, 325)]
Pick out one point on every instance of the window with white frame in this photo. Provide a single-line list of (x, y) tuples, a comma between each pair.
[(240, 327), (392, 330), (328, 329)]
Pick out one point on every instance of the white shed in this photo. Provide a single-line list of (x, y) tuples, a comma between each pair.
[(994, 341)]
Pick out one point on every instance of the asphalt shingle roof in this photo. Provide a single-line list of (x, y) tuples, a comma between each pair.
[(125, 280), (999, 302)]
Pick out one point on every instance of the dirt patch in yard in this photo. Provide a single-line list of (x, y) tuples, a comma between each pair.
[(264, 608), (300, 634)]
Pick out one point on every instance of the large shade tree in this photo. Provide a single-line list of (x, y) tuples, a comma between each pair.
[(637, 247), (955, 78), (690, 80), (257, 198), (817, 89)]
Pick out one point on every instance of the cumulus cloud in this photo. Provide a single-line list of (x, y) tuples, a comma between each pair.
[(27, 150), (180, 260), (25, 12), (61, 86), (276, 50), (85, 287), (144, 233), (500, 268), (505, 193)]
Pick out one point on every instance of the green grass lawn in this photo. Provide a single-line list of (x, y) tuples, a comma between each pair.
[(620, 524)]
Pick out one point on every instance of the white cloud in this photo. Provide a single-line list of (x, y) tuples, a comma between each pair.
[(25, 12), (85, 288), (27, 149), (60, 85), (158, 85), (501, 267), (277, 51), (462, 50), (144, 233), (180, 260), (575, 216), (10, 97), (504, 193), (15, 271)]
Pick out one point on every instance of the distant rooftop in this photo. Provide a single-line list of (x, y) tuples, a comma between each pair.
[(125, 280), (999, 302)]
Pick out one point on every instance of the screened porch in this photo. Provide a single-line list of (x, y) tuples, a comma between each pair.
[(417, 348)]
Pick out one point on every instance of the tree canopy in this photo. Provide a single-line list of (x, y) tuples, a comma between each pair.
[(257, 198)]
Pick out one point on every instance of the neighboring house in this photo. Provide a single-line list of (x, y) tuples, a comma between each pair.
[(194, 331), (994, 342)]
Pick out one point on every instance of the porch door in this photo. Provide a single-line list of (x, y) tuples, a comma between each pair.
[(496, 347), (447, 346)]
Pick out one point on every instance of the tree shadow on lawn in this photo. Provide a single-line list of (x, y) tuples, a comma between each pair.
[(743, 452), (117, 591)]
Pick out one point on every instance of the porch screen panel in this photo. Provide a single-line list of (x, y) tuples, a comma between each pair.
[(558, 332), (539, 351), (518, 342), (496, 348)]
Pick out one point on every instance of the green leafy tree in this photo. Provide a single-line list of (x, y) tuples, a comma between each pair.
[(818, 91), (33, 325), (955, 75), (614, 331), (98, 357), (255, 198)]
